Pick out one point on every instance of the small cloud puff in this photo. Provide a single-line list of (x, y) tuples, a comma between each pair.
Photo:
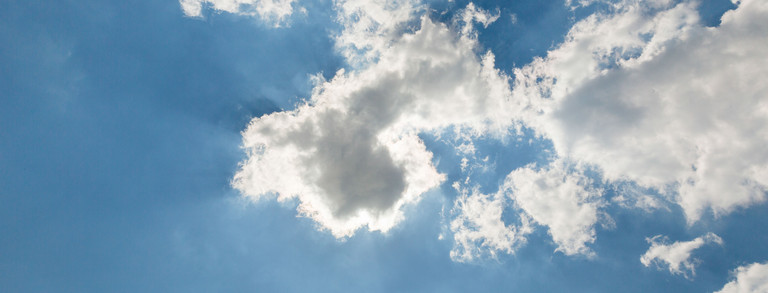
[(676, 256), (560, 198)]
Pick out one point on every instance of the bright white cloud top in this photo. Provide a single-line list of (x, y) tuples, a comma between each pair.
[(676, 256), (751, 278), (650, 95)]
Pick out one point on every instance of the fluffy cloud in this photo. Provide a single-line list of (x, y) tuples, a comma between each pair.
[(478, 228), (560, 199), (749, 279), (647, 95), (677, 256), (650, 95), (351, 154), (557, 196), (274, 12)]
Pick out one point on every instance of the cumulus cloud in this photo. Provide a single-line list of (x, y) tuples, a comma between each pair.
[(351, 154), (676, 256), (560, 199), (650, 95), (274, 12), (479, 229), (557, 196), (749, 279)]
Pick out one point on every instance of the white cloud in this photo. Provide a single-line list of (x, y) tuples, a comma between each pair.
[(647, 95), (371, 26), (650, 95), (677, 256), (479, 230), (560, 199), (274, 12), (749, 279), (473, 14), (351, 155)]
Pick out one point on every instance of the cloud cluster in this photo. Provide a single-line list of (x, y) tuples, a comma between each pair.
[(647, 95), (644, 94), (557, 196), (274, 12), (650, 95), (676, 256), (351, 154), (749, 279)]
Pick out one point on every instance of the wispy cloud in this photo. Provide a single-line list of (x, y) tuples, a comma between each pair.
[(479, 228), (676, 256), (273, 12)]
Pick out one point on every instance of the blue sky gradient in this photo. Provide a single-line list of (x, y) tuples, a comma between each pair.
[(120, 132)]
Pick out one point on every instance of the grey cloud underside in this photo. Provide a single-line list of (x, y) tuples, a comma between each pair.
[(351, 155), (358, 173)]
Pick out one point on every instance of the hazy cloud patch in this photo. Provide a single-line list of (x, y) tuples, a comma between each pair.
[(273, 12)]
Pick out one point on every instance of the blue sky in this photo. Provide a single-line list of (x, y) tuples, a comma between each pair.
[(438, 146)]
